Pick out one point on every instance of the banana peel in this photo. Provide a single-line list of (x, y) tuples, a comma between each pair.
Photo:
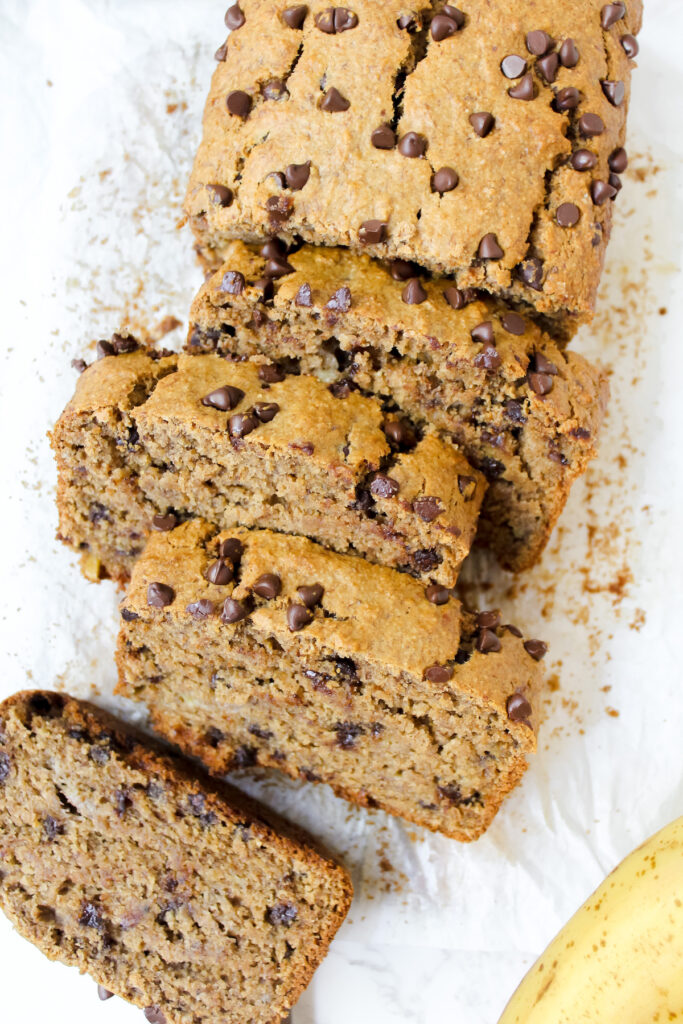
[(619, 960)]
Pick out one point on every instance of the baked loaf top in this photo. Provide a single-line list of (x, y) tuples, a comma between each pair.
[(111, 847), (479, 142), (365, 611), (358, 301)]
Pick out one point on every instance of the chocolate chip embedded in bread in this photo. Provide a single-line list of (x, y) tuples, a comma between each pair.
[(569, 54), (548, 67), (164, 523), (103, 993), (513, 66), (154, 1015), (537, 649), (482, 122), (412, 145), (488, 619), (298, 616), (311, 594), (442, 27), (303, 295), (234, 17), (567, 99), (383, 137), (488, 359), (487, 642), (413, 293), (234, 611), (282, 914), (268, 586), (591, 125), (294, 17), (513, 323), (437, 594), (266, 411), (444, 180), (489, 249), (615, 92), (278, 266), (601, 191), (220, 194), (159, 595), (438, 673), (297, 175), (483, 333), (340, 300), (428, 508), (201, 609), (383, 486), (467, 485), (525, 88), (618, 160), (242, 424), (333, 102), (225, 399), (518, 708), (220, 572), (630, 46), (538, 42), (336, 19), (567, 215), (583, 160), (372, 232), (233, 282), (611, 14), (233, 549), (238, 103)]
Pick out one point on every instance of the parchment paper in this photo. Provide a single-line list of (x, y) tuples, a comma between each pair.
[(101, 107)]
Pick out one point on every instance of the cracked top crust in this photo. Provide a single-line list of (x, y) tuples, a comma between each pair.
[(296, 156), (366, 611)]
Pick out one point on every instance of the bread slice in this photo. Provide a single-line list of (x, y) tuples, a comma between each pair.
[(173, 892), (145, 442), (523, 411), (330, 669)]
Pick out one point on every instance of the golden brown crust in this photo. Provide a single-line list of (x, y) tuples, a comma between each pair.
[(531, 435), (511, 181), (143, 760)]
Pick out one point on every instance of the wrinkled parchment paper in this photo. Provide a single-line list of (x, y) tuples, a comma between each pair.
[(100, 115)]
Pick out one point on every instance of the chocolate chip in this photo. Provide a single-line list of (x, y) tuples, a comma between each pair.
[(311, 594), (489, 248), (443, 26), (159, 595), (569, 55), (513, 66), (383, 137), (220, 195), (266, 287), (482, 123), (234, 611), (488, 620), (221, 53), (601, 191), (278, 266), (128, 616), (122, 344), (483, 333), (567, 99), (454, 13), (531, 273), (536, 648), (220, 572), (266, 411), (282, 914), (297, 175), (467, 485), (618, 160), (409, 22), (525, 88), (271, 373), (543, 365), (91, 917), (548, 67), (294, 17), (303, 295), (298, 616), (372, 232), (513, 411), (540, 383), (341, 300), (224, 399), (611, 13), (242, 424), (458, 298), (100, 755), (538, 42), (79, 365), (487, 642), (488, 358), (274, 89), (402, 270), (234, 17), (335, 19), (413, 293), (154, 1015), (233, 282), (383, 486), (615, 182), (238, 103), (583, 160), (164, 523), (444, 180), (439, 673), (232, 548), (201, 609), (518, 708), (400, 433), (567, 215), (513, 323), (437, 594), (615, 92), (590, 125), (427, 508), (412, 145), (333, 102), (268, 586), (630, 45), (103, 993), (104, 349), (273, 248)]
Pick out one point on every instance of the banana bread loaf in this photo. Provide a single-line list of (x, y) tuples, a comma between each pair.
[(145, 442), (172, 891), (524, 412), (485, 143), (331, 669)]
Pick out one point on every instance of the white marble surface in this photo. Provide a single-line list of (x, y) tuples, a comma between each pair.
[(99, 117)]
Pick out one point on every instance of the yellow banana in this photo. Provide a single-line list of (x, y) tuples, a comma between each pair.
[(620, 958)]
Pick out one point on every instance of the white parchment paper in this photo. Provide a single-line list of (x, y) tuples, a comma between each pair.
[(99, 115)]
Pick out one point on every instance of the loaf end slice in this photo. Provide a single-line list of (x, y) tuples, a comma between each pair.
[(172, 891), (524, 411), (144, 444), (330, 669)]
